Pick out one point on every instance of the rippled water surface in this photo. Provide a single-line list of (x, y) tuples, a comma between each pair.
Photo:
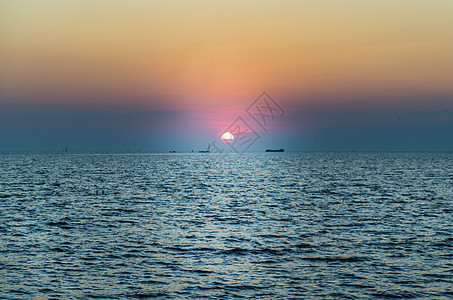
[(258, 225)]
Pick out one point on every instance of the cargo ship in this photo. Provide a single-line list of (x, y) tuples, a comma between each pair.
[(275, 150)]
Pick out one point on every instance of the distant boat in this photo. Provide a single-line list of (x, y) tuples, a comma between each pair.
[(172, 151), (207, 150), (275, 150)]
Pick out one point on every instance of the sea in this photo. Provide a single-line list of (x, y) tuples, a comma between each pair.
[(226, 226)]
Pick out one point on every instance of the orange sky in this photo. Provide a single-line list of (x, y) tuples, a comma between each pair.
[(222, 50)]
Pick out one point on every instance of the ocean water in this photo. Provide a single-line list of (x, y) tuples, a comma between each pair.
[(226, 226)]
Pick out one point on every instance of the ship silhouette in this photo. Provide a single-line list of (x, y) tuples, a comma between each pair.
[(275, 150), (208, 150)]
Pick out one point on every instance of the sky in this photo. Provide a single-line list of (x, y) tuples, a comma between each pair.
[(136, 75)]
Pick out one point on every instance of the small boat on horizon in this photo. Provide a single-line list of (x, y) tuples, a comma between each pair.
[(208, 150), (275, 150)]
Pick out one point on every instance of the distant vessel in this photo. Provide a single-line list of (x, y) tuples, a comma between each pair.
[(207, 150), (275, 150)]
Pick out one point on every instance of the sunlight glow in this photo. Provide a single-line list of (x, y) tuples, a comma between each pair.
[(227, 137)]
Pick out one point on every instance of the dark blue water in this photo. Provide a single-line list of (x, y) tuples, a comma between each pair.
[(257, 225)]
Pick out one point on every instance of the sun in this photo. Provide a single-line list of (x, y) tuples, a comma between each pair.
[(227, 137)]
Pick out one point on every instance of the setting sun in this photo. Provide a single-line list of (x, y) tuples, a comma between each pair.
[(227, 137)]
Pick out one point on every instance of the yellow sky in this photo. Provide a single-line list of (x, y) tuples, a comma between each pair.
[(216, 51)]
